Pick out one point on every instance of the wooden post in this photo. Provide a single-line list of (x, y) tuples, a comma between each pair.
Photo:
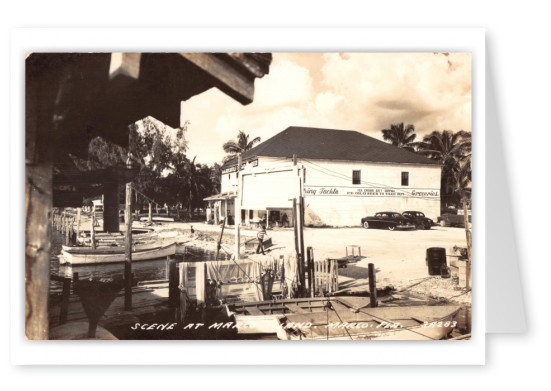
[(75, 280), (299, 229), (297, 246), (93, 231), (372, 285), (78, 221), (237, 205), (150, 214), (63, 222), (301, 217), (128, 249), (311, 279), (469, 244), (172, 282), (38, 194), (67, 230)]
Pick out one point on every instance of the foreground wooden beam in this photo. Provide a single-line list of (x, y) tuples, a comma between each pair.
[(38, 207), (38, 193), (126, 64), (237, 83)]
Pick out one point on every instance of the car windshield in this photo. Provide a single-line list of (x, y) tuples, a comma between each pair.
[(419, 214), (396, 215)]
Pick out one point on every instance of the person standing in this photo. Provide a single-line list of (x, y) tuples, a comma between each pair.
[(260, 235)]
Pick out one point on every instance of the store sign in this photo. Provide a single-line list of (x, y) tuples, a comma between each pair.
[(228, 170), (369, 192)]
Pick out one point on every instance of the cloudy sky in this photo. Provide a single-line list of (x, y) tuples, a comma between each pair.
[(352, 91)]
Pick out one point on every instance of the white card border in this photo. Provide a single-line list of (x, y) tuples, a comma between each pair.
[(25, 352)]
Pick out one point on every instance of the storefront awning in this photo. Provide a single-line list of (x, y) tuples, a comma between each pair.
[(221, 196)]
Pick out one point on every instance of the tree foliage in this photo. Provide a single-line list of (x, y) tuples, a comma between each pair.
[(401, 136), (240, 145), (452, 150), (166, 174)]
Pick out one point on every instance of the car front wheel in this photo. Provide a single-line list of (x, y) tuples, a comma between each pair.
[(391, 227), (366, 224)]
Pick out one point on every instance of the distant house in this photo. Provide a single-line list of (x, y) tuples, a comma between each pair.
[(343, 176)]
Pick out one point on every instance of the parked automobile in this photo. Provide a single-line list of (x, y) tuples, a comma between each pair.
[(388, 220), (418, 218), (453, 219)]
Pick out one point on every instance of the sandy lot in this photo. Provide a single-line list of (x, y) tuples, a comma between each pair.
[(398, 256)]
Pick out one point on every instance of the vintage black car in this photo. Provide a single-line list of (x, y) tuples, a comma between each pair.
[(388, 220), (418, 218), (454, 219)]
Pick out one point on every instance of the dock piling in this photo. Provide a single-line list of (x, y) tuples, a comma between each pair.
[(310, 268), (128, 250), (372, 286), (173, 277)]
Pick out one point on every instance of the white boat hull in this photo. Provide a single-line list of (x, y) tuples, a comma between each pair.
[(96, 258), (158, 218), (258, 324)]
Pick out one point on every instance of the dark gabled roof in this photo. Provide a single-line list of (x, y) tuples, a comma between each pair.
[(331, 144)]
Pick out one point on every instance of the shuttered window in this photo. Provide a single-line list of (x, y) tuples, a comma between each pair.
[(356, 177), (405, 178)]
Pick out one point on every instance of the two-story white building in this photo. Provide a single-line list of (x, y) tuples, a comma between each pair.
[(342, 175)]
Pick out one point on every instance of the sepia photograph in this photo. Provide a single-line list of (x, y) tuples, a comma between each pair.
[(248, 196)]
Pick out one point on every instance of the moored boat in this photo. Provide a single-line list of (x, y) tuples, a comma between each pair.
[(163, 219), (116, 255), (347, 318), (344, 322)]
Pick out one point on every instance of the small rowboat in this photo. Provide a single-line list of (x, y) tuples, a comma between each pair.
[(343, 318), (117, 247), (163, 219), (109, 238), (340, 322), (89, 256)]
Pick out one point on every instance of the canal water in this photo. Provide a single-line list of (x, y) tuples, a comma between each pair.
[(143, 270)]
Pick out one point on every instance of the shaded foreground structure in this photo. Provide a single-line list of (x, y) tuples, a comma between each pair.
[(71, 98)]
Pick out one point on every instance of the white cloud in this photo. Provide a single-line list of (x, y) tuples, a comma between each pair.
[(286, 84), (418, 88), (361, 91)]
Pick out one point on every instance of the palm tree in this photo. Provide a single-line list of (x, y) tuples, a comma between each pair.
[(400, 136), (242, 144), (194, 182), (453, 151)]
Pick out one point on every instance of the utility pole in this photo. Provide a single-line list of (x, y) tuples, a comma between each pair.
[(78, 221), (299, 220), (237, 205)]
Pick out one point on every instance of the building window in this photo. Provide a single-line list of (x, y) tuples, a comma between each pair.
[(356, 177), (405, 178), (229, 176)]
